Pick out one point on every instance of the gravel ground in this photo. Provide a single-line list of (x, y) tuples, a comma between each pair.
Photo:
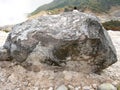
[(15, 77)]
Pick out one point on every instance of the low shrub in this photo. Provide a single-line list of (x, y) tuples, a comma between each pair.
[(112, 25), (6, 30)]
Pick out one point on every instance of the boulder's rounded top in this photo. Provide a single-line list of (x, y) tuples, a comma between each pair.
[(56, 25)]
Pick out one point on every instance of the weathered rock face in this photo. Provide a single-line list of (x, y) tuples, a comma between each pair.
[(76, 39)]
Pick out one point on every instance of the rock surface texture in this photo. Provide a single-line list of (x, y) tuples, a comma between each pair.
[(70, 40)]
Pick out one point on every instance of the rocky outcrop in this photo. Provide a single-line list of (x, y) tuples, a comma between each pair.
[(76, 40)]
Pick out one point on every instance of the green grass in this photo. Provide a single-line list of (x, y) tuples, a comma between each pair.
[(6, 30), (112, 25), (98, 6), (118, 87)]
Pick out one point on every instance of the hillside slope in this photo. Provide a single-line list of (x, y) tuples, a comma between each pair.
[(94, 5)]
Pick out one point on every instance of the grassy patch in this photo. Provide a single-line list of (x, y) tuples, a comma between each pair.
[(118, 88), (6, 30), (98, 6), (112, 25)]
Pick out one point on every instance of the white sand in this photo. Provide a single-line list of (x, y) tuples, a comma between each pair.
[(3, 36)]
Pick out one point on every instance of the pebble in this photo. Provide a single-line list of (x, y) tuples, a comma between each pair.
[(67, 75), (87, 88), (115, 83), (51, 88), (36, 88), (12, 78), (62, 87), (70, 87), (17, 88), (78, 88), (94, 86), (106, 86)]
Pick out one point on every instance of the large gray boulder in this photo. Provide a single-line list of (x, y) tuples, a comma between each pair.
[(75, 39)]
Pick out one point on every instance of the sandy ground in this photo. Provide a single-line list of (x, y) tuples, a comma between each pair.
[(3, 36), (15, 77), (114, 70)]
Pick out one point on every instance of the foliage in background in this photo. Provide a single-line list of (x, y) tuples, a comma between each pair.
[(94, 5), (118, 87), (112, 25)]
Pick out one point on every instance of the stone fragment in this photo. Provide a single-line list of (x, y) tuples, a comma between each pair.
[(62, 87), (106, 86)]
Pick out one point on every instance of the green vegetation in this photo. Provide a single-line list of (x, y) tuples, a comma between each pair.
[(118, 87), (94, 5), (112, 25), (6, 30)]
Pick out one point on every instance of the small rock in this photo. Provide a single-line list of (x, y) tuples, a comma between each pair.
[(78, 88), (62, 87), (35, 68), (51, 88), (2, 77), (3, 54), (94, 86), (87, 88), (36, 88), (12, 78), (106, 86), (115, 83), (67, 75), (17, 88), (70, 87)]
